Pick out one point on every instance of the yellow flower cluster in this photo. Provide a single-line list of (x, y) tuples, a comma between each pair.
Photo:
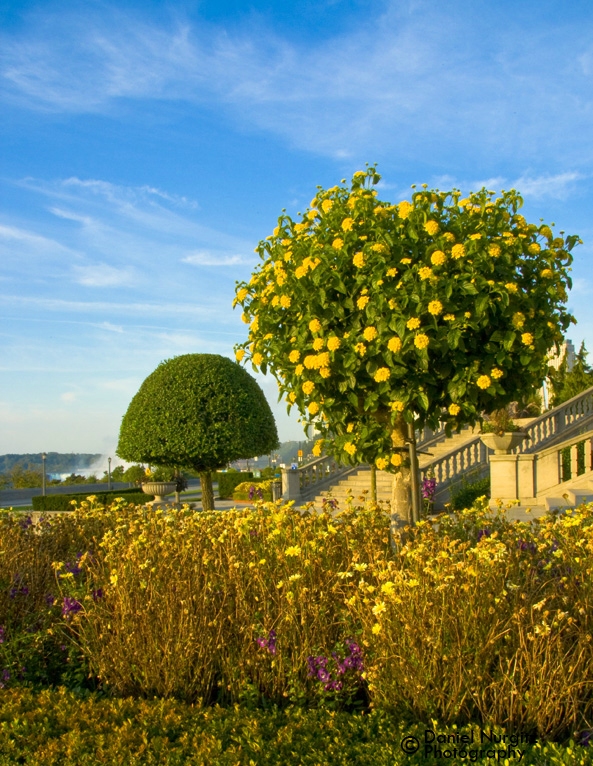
[(394, 344), (325, 372), (358, 260), (475, 236), (379, 248), (431, 227), (404, 209), (518, 320), (496, 373), (435, 308), (294, 356), (327, 205), (308, 387), (413, 323), (360, 348), (333, 343), (527, 338), (370, 333), (313, 408), (347, 224), (257, 359), (425, 272), (458, 251), (318, 344), (421, 340), (391, 272), (242, 294), (315, 361), (483, 382), (315, 325), (240, 354), (362, 301), (349, 448), (449, 317), (438, 258), (511, 287), (534, 248), (397, 406), (547, 273), (494, 250), (338, 243), (285, 301), (406, 261), (454, 409), (317, 447), (396, 459), (382, 374), (381, 463)]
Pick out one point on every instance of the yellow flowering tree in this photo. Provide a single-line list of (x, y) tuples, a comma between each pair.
[(372, 315)]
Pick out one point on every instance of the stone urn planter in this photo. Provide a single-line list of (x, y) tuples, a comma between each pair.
[(159, 489), (502, 444)]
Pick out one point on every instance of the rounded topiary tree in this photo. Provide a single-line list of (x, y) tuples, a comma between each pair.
[(375, 316), (199, 412)]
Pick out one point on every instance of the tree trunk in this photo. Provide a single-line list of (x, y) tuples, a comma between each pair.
[(373, 485), (401, 506), (207, 491)]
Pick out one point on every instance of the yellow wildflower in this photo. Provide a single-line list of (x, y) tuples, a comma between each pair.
[(413, 323), (318, 344), (370, 333), (396, 459), (435, 308), (325, 372), (421, 340), (449, 236), (358, 260), (285, 301), (397, 406), (315, 325), (360, 348), (376, 629), (294, 356), (527, 338), (379, 608), (494, 250), (298, 370), (438, 258), (431, 227), (394, 344), (483, 381), (327, 205), (511, 287), (383, 373), (349, 448), (313, 408), (547, 273), (406, 261), (496, 373), (362, 301), (518, 320), (391, 272), (350, 428), (245, 318), (312, 214), (317, 447), (381, 463), (425, 272), (293, 550), (379, 248), (347, 224), (308, 387), (333, 343), (454, 409), (338, 243), (300, 272), (449, 317), (310, 361), (463, 202), (404, 209), (534, 248), (475, 236), (458, 251), (239, 354), (292, 397), (257, 359), (242, 294)]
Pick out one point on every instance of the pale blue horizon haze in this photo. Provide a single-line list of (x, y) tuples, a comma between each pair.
[(147, 147)]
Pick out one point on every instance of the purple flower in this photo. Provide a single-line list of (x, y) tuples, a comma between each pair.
[(585, 739), (527, 545), (429, 487), (97, 594), (483, 533), (70, 607), (269, 643), (26, 522), (49, 599), (4, 678)]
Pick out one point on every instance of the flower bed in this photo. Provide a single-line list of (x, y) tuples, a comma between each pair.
[(466, 619)]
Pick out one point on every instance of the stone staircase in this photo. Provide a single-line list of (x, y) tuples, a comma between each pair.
[(357, 483)]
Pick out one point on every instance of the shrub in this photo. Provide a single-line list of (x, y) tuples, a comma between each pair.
[(253, 490), (469, 492), (229, 480), (64, 502)]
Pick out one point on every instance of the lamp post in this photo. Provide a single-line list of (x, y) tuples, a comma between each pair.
[(108, 473), (43, 456)]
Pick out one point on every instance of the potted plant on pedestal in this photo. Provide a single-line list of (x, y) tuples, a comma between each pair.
[(162, 481), (501, 433)]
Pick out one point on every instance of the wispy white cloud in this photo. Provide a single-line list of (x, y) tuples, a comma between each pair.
[(100, 307), (212, 259), (555, 186), (102, 275), (413, 73)]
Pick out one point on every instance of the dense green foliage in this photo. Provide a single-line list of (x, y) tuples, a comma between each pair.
[(197, 411), (438, 309), (567, 384), (465, 495), (228, 480), (64, 502), (59, 728)]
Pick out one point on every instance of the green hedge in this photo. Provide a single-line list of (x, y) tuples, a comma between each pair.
[(57, 727), (63, 502), (228, 481)]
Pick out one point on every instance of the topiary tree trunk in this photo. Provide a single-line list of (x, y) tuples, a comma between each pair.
[(207, 491)]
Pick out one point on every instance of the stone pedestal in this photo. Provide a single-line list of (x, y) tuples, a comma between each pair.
[(291, 486)]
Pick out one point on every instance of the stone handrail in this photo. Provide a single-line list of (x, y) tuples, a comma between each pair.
[(446, 469), (554, 423)]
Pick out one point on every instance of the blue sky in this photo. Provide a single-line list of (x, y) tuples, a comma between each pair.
[(146, 147)]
